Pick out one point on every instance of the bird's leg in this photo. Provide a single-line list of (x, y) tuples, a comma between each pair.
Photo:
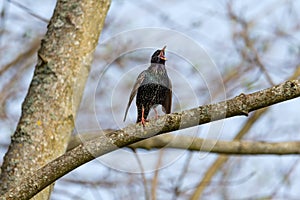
[(156, 113), (143, 120)]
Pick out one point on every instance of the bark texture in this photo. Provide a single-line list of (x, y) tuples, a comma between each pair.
[(240, 105), (49, 109)]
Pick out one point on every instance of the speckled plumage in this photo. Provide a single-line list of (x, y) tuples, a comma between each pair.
[(152, 87)]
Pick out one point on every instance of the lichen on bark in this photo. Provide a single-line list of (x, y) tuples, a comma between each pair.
[(50, 107)]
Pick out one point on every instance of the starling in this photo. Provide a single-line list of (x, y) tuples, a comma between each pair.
[(152, 88)]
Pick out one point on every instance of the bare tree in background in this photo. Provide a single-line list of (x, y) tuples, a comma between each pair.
[(260, 53)]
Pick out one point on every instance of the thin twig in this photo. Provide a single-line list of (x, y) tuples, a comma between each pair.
[(29, 11), (155, 177), (142, 173)]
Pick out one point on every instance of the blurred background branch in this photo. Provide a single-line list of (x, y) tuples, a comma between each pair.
[(249, 41)]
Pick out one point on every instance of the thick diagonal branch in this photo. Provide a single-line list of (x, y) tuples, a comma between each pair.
[(240, 105)]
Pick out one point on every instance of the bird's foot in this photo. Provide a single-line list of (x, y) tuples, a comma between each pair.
[(143, 121)]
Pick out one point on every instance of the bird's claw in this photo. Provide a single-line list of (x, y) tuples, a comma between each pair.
[(143, 121)]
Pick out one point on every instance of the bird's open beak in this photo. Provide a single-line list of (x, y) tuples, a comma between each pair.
[(162, 53)]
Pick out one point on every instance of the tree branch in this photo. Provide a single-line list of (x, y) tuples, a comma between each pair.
[(54, 95), (190, 143), (240, 105), (219, 162), (218, 146)]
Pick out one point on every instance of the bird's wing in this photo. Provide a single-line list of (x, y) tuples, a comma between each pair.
[(137, 84), (168, 100)]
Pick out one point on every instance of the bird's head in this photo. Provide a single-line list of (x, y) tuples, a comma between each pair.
[(159, 56)]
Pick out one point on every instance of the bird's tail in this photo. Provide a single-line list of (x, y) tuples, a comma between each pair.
[(126, 112)]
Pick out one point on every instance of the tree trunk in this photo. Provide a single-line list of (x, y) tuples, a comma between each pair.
[(50, 106)]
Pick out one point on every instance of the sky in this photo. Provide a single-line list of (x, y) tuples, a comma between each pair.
[(200, 54)]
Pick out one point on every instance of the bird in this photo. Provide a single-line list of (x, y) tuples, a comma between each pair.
[(152, 87)]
